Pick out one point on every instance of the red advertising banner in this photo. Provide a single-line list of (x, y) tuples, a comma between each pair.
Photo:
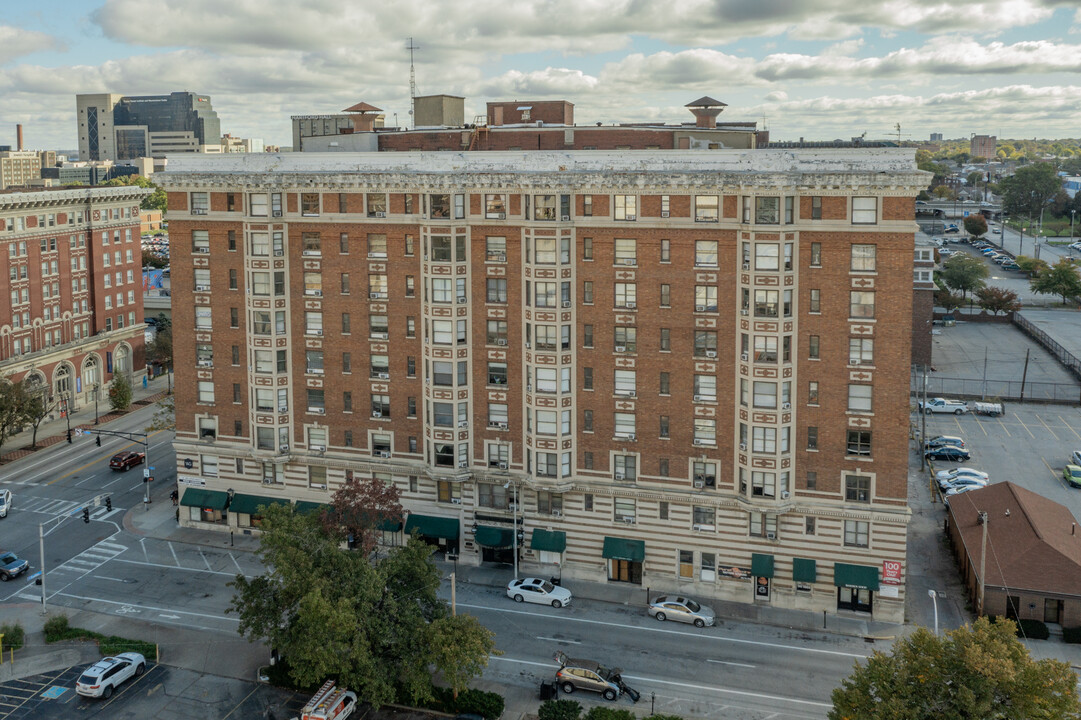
[(891, 572)]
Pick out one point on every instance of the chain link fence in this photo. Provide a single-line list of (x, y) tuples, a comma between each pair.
[(995, 390)]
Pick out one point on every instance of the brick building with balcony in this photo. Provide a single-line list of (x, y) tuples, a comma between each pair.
[(73, 277), (681, 369)]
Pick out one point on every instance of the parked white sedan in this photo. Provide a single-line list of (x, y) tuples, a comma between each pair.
[(945, 477), (538, 590)]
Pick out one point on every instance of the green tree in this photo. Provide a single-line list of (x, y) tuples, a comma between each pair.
[(964, 273), (1029, 189), (1033, 266), (978, 671), (38, 407), (120, 392), (378, 625), (976, 225), (998, 300), (1061, 279), (561, 709), (944, 192), (15, 404), (948, 300), (155, 201), (152, 260)]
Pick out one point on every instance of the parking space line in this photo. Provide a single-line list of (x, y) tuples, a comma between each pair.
[(1022, 424), (1048, 428), (1054, 474), (979, 424), (1069, 427)]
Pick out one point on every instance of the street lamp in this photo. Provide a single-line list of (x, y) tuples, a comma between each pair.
[(68, 402), (514, 522), (1072, 213), (97, 388), (934, 598)]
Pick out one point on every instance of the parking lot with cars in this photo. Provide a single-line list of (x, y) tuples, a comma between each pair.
[(1030, 445)]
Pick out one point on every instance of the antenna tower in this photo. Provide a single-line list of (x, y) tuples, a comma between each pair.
[(412, 83)]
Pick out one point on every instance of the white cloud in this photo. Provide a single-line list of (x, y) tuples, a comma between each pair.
[(16, 42)]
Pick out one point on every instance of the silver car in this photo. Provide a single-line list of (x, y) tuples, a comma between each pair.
[(681, 609), (5, 502), (577, 674)]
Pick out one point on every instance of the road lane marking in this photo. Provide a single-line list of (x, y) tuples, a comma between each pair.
[(725, 662), (692, 686), (1057, 476), (238, 568), (177, 567), (645, 628), (558, 640), (98, 459), (103, 577), (205, 561), (159, 610), (173, 551)]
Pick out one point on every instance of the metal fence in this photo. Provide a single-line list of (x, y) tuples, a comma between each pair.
[(1064, 356), (993, 390)]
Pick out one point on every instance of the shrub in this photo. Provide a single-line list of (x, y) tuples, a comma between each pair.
[(56, 628), (488, 705), (559, 710), (1071, 635), (114, 645), (1032, 629), (599, 712), (14, 635)]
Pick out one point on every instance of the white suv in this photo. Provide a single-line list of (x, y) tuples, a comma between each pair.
[(104, 676)]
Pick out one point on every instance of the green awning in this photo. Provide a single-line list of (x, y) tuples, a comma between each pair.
[(804, 570), (624, 549), (761, 565), (432, 526), (249, 504), (306, 506), (390, 525), (494, 537), (549, 540), (203, 498), (855, 576)]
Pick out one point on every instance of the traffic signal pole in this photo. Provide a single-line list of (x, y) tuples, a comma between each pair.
[(107, 499)]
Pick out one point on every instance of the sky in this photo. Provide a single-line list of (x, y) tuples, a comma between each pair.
[(812, 69)]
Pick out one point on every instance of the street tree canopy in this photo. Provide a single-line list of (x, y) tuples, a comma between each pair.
[(978, 671), (360, 509), (1060, 279), (976, 225), (378, 625), (998, 300), (16, 407), (1029, 189), (963, 273)]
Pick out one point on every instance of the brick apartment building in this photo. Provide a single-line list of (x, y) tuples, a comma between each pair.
[(74, 278), (685, 369)]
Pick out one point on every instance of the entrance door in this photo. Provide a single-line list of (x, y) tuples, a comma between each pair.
[(1012, 604), (497, 555), (1052, 610), (857, 599), (626, 571)]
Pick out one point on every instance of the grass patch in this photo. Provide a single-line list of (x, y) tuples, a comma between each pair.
[(57, 629)]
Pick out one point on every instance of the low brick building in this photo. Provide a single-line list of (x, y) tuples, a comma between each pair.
[(1033, 566)]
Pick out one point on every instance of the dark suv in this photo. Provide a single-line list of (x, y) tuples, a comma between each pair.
[(576, 674)]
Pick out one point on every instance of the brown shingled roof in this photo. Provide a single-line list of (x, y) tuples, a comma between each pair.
[(362, 107), (706, 101), (1031, 540)]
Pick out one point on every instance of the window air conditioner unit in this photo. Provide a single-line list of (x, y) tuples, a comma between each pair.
[(744, 311), (621, 348), (377, 414), (202, 288), (785, 494), (501, 216), (744, 357), (463, 464), (283, 448), (698, 398), (632, 217), (205, 363), (628, 519), (699, 308), (279, 253), (699, 484), (566, 303), (743, 446), (318, 448), (383, 453), (380, 336), (786, 406), (628, 261), (312, 253), (711, 353), (384, 376), (463, 423), (455, 501), (283, 408), (461, 298), (664, 213), (771, 536), (317, 411), (375, 295), (566, 218), (501, 342), (854, 361), (528, 345), (317, 332), (198, 211), (317, 293), (502, 426), (630, 306), (372, 255), (621, 476), (380, 214), (746, 266)]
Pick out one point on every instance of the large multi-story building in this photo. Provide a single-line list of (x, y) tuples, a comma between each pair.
[(116, 127), (985, 146), (684, 369), (19, 167), (73, 275)]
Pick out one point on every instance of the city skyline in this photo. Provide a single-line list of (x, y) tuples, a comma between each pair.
[(818, 70)]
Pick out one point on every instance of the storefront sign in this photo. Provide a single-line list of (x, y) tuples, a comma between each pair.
[(761, 587), (191, 480), (890, 591), (735, 573), (891, 572)]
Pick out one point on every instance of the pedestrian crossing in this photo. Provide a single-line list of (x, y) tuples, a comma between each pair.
[(53, 507), (79, 566)]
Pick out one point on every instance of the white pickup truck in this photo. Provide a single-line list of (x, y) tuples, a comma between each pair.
[(942, 405)]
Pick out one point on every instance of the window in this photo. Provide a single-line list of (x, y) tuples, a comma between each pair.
[(313, 362), (380, 406), (309, 204), (377, 245), (347, 324), (497, 332), (497, 290), (666, 339), (587, 421), (767, 210), (200, 203), (816, 208), (816, 254), (765, 348), (864, 210), (812, 438), (812, 392), (863, 258), (439, 206), (812, 347), (859, 398), (377, 204), (206, 391), (789, 210), (626, 207), (587, 378), (765, 303), (317, 476), (705, 343), (549, 503), (705, 432), (495, 207), (544, 294), (311, 244), (663, 432), (313, 283), (861, 351), (626, 468), (347, 362), (624, 510), (763, 439), (666, 251), (544, 207), (766, 256), (626, 252), (497, 415), (496, 249), (857, 533), (705, 388), (815, 303), (859, 442), (587, 248), (377, 286), (626, 339), (705, 298), (316, 401), (763, 525), (705, 253), (706, 208)]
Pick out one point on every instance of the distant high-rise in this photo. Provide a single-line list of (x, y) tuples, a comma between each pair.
[(936, 137), (985, 146), (117, 127)]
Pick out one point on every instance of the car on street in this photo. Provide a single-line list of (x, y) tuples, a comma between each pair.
[(942, 405), (950, 229), (940, 440), (577, 674), (953, 473), (1011, 265), (5, 502), (681, 609), (1072, 475), (107, 674), (538, 590), (948, 452), (126, 460), (11, 566)]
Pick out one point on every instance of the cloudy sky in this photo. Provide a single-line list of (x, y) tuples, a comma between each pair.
[(818, 69)]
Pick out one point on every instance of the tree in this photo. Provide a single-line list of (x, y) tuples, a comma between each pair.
[(963, 273), (978, 671), (152, 259), (944, 192), (998, 300), (378, 625), (160, 349), (360, 509), (948, 300), (14, 408), (561, 709), (976, 225), (120, 392), (38, 407), (1029, 189), (1061, 279), (155, 201), (1033, 266)]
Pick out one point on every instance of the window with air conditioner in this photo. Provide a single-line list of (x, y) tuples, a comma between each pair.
[(625, 467), (495, 207), (705, 431), (200, 242), (380, 405), (626, 251), (311, 244), (861, 351), (549, 503), (704, 473), (625, 509), (376, 204), (763, 525), (624, 425), (496, 332), (313, 323), (704, 518), (316, 401), (626, 339), (706, 208), (626, 383), (379, 367), (626, 295), (377, 245), (313, 284), (705, 343), (378, 286), (625, 207), (705, 388), (496, 248), (200, 203)]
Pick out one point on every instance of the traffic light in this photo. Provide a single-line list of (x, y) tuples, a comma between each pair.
[(86, 515), (109, 503), (98, 440)]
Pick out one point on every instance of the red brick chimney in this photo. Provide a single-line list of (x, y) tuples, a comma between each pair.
[(706, 110), (19, 137)]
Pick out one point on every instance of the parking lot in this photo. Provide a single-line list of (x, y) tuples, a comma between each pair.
[(1029, 445)]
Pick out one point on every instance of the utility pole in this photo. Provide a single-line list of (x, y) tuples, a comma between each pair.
[(1024, 374), (923, 423), (515, 539), (983, 562), (453, 595), (984, 395)]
